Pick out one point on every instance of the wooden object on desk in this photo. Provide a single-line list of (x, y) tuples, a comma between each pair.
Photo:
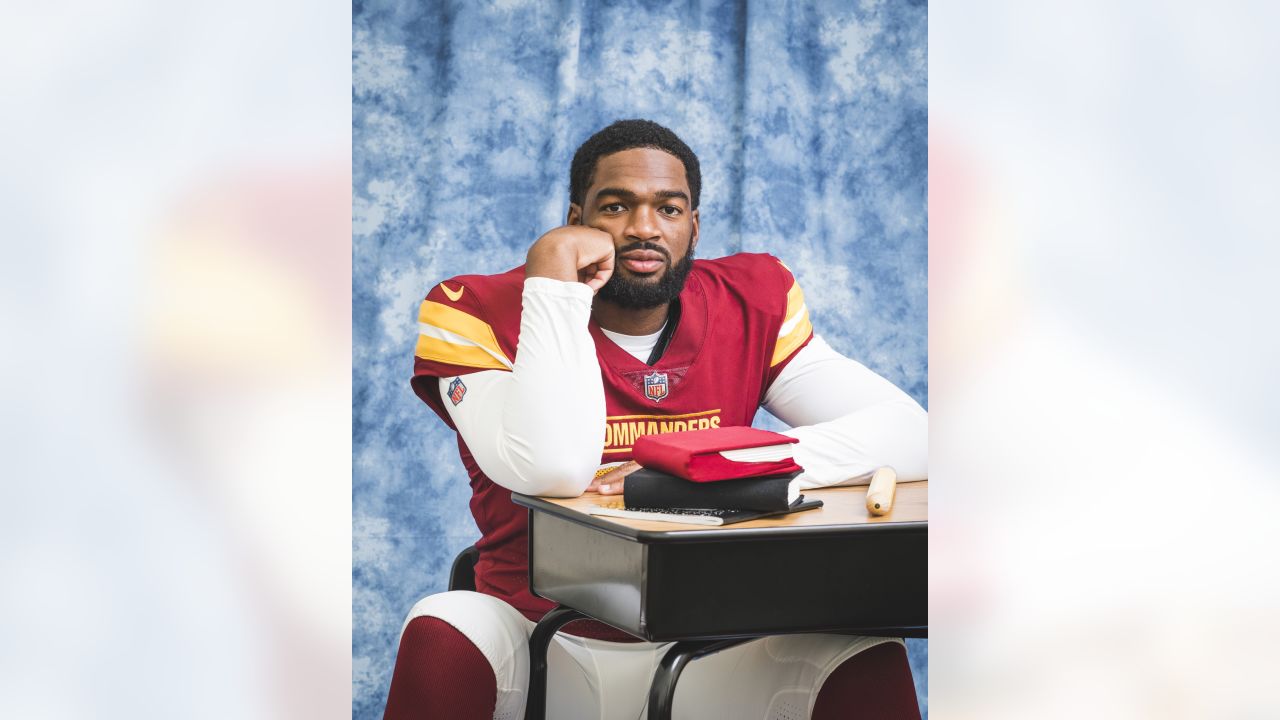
[(880, 491)]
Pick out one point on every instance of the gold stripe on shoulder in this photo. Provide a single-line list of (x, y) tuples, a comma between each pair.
[(460, 323), (430, 348), (795, 301), (788, 343)]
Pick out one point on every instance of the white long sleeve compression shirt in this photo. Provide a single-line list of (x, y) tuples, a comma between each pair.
[(848, 419)]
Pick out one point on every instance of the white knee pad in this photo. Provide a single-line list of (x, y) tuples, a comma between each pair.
[(497, 629), (774, 678)]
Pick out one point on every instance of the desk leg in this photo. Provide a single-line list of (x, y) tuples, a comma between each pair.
[(536, 704), (663, 689)]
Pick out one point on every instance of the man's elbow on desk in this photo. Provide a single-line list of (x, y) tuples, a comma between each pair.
[(558, 485), (912, 445), (846, 450), (552, 475)]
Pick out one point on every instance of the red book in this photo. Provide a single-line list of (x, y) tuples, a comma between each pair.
[(725, 453)]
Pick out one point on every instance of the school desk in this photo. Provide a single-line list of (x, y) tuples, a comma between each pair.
[(833, 569)]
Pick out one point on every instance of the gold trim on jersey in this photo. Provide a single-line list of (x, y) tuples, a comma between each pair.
[(796, 327), (430, 348), (795, 301), (452, 336), (794, 338)]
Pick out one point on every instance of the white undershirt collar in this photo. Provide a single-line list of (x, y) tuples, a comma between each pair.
[(638, 346)]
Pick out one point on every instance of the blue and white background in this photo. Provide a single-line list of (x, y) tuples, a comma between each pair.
[(809, 118)]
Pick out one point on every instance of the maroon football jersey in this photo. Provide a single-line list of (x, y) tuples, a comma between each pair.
[(742, 319)]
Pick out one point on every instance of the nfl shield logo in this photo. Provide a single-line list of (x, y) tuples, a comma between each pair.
[(457, 390), (655, 386)]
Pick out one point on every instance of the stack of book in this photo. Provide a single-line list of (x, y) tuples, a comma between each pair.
[(711, 477)]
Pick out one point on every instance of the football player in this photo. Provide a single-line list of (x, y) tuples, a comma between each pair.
[(550, 371)]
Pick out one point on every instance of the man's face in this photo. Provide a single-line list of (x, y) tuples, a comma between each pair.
[(641, 198)]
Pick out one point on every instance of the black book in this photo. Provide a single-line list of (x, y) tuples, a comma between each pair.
[(651, 489), (694, 516)]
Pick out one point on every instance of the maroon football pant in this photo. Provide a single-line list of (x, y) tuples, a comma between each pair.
[(439, 673)]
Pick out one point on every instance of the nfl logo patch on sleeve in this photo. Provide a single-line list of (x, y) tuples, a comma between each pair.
[(655, 386), (457, 390)]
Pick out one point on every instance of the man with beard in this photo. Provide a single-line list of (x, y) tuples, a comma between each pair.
[(612, 324)]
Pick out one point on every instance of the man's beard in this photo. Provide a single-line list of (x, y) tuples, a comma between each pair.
[(633, 294)]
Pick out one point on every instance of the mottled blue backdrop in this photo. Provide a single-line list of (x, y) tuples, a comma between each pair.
[(810, 120)]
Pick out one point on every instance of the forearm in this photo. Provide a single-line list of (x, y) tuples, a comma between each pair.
[(537, 429), (845, 451), (849, 420)]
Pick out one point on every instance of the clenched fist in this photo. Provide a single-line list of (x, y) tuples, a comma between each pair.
[(572, 252)]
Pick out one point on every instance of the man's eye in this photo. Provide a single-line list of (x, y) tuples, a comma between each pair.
[(672, 210), (612, 208)]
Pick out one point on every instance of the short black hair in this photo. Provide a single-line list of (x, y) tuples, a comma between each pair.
[(625, 135)]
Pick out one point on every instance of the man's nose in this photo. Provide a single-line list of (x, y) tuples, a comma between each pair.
[(642, 224)]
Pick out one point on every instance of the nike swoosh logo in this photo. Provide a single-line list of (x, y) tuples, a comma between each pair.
[(454, 296)]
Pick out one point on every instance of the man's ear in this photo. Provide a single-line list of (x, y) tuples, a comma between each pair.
[(693, 241), (575, 215)]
